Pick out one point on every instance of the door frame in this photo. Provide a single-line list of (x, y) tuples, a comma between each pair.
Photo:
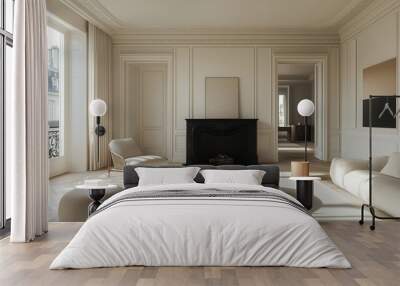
[(125, 61), (320, 61)]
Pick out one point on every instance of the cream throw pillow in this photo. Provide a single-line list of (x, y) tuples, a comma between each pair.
[(166, 176), (392, 168), (247, 177)]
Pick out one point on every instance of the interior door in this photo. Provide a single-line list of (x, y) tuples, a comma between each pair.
[(318, 115), (152, 109)]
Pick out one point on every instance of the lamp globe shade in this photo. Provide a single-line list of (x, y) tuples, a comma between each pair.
[(305, 107), (98, 107)]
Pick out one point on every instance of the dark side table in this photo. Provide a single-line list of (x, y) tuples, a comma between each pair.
[(96, 193), (305, 190)]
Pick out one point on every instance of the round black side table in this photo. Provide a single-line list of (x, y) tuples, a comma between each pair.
[(305, 190), (96, 193)]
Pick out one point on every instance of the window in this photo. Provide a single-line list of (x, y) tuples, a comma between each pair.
[(55, 42), (283, 106), (282, 110), (6, 61)]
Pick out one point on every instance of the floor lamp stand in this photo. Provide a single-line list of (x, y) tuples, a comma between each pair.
[(305, 139), (370, 202), (100, 131)]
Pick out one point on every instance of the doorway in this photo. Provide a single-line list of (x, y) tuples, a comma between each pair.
[(148, 100), (297, 77), (295, 83)]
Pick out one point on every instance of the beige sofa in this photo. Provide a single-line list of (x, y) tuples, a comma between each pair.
[(353, 176)]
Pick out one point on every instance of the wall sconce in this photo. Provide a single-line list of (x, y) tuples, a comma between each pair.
[(98, 108)]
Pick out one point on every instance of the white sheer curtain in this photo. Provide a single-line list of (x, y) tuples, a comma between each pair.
[(26, 117), (99, 73)]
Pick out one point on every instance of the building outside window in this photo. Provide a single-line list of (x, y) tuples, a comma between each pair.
[(55, 41)]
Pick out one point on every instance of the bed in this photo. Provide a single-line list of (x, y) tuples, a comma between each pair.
[(198, 224)]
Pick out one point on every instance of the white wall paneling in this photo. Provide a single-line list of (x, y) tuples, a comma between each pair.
[(144, 108), (152, 100), (224, 62), (369, 39), (188, 66)]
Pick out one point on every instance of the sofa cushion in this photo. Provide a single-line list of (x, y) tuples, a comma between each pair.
[(74, 204), (392, 168), (125, 147), (385, 189), (356, 181), (153, 159), (340, 167)]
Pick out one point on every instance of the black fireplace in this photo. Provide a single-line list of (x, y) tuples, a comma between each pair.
[(221, 141)]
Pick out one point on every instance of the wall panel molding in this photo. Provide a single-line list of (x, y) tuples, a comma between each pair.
[(252, 63), (209, 38), (131, 59)]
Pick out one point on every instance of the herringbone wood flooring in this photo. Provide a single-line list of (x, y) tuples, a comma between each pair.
[(375, 257)]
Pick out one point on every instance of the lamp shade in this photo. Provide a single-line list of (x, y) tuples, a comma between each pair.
[(98, 107), (305, 107)]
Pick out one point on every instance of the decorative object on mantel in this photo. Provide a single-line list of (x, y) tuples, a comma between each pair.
[(370, 206), (222, 159), (98, 108), (302, 168)]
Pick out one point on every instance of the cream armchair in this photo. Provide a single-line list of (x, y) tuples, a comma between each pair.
[(125, 151)]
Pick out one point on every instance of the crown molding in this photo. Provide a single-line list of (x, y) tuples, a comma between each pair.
[(212, 38), (373, 12), (95, 13), (351, 9)]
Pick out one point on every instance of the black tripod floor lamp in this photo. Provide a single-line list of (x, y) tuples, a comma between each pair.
[(98, 108)]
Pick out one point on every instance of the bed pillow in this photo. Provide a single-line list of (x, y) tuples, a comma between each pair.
[(392, 168), (248, 177), (166, 176)]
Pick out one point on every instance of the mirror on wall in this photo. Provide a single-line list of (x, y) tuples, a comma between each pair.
[(380, 79), (222, 97)]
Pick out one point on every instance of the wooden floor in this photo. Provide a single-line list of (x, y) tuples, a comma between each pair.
[(375, 257)]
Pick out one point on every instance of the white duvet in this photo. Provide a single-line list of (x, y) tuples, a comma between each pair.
[(200, 231)]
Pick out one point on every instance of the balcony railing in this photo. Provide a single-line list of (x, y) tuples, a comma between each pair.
[(54, 142)]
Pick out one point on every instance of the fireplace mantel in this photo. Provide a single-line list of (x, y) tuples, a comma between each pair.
[(234, 138)]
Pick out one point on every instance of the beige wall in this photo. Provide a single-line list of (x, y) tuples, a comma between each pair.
[(192, 63), (380, 79), (374, 41)]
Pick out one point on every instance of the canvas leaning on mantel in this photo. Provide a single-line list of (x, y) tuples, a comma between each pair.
[(222, 97)]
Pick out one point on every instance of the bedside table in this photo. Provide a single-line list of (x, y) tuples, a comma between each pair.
[(305, 190), (96, 193)]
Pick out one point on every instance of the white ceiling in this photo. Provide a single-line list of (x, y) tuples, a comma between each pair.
[(184, 15)]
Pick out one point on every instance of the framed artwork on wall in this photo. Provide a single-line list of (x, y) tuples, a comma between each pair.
[(222, 97), (380, 114)]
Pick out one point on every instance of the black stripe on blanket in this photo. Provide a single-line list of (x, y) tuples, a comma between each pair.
[(205, 193)]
